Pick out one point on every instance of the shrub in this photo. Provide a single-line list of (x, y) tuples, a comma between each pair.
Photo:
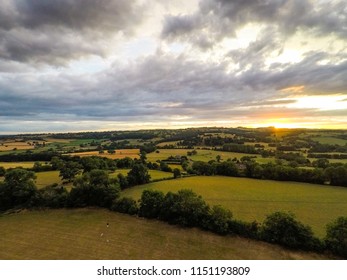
[(336, 237), (219, 218), (53, 196), (126, 205), (151, 203), (185, 208), (282, 228), (94, 189)]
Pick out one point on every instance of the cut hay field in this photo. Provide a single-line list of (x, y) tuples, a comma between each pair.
[(10, 146), (82, 234), (250, 199), (26, 164), (122, 153)]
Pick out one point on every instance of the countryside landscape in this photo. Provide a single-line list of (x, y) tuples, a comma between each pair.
[(173, 130), (197, 193)]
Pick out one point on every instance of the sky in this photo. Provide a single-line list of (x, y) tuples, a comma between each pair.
[(85, 65)]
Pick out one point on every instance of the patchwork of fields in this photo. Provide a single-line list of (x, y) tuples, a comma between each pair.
[(250, 199), (82, 234), (123, 153)]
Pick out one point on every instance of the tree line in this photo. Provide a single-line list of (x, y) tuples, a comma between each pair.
[(184, 208)]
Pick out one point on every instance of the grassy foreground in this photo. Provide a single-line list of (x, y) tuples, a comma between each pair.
[(250, 199), (83, 234)]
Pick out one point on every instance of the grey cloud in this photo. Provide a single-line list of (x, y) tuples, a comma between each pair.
[(56, 31), (223, 17)]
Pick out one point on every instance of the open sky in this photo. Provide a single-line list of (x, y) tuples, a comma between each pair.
[(77, 65)]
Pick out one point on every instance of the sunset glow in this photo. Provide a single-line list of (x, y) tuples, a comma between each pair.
[(154, 64)]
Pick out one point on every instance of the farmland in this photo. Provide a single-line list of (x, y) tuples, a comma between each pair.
[(132, 153), (82, 234), (250, 199)]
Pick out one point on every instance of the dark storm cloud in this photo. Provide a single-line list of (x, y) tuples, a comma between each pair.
[(223, 17), (56, 31)]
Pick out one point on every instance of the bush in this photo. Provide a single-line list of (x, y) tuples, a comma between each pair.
[(219, 219), (151, 204), (18, 189), (94, 189), (185, 208), (282, 228), (126, 205), (336, 237), (245, 229), (53, 196)]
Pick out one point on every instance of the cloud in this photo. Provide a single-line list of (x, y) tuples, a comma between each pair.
[(54, 32), (222, 18)]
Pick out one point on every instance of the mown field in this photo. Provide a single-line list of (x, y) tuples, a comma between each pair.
[(82, 234), (250, 199), (202, 155), (123, 153), (26, 164), (155, 174)]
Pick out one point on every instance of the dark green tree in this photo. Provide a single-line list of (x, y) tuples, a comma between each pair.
[(282, 228), (336, 237), (138, 175), (94, 188), (18, 189)]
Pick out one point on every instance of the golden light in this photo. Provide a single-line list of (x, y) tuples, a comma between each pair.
[(321, 102)]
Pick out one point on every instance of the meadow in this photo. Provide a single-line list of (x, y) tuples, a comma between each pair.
[(82, 234), (155, 174), (250, 199), (202, 155), (119, 154), (25, 164)]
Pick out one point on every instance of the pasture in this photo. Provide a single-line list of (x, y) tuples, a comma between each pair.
[(250, 199), (82, 234), (202, 155), (330, 140), (155, 174), (119, 154), (11, 146), (26, 164)]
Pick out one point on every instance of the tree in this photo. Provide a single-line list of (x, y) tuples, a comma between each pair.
[(125, 205), (138, 175), (336, 237), (185, 208), (18, 189), (151, 204), (94, 188), (282, 228), (2, 171), (69, 170), (219, 219), (176, 173)]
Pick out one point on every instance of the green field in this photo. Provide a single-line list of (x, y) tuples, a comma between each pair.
[(202, 155), (155, 174), (46, 178), (330, 140), (82, 234), (250, 199)]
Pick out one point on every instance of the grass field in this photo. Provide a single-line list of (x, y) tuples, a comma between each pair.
[(46, 178), (250, 199), (123, 153), (10, 146), (202, 155), (26, 164), (82, 234), (330, 140), (155, 174)]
